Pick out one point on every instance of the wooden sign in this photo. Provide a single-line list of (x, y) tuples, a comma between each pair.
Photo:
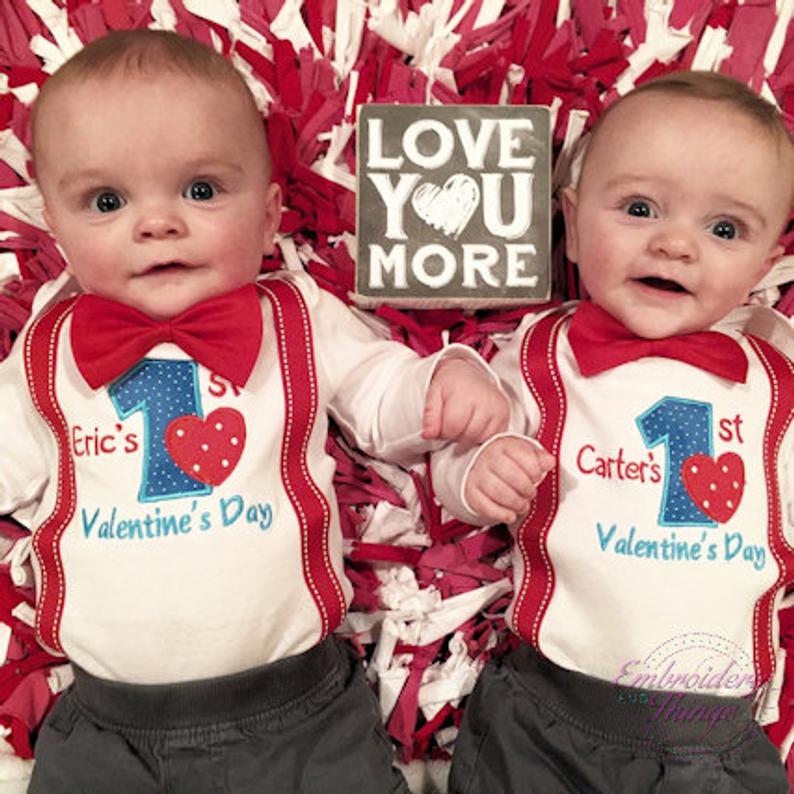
[(453, 205)]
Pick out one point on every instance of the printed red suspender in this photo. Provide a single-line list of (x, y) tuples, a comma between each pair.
[(41, 346), (296, 357), (781, 414), (542, 377)]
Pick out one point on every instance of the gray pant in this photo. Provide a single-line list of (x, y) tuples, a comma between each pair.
[(308, 724), (531, 727)]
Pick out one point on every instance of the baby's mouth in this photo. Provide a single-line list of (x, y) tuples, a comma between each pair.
[(663, 284), (166, 267)]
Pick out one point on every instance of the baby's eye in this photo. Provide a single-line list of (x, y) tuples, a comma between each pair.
[(725, 229), (639, 209), (106, 201), (200, 190)]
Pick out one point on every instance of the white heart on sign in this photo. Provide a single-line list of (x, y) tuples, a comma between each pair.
[(448, 208)]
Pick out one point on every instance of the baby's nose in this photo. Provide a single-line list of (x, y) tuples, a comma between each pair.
[(675, 242), (159, 225)]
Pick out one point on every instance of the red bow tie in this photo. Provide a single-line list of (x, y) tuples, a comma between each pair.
[(599, 342), (223, 334)]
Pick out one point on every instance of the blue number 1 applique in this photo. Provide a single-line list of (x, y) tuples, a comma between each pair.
[(162, 390), (684, 427)]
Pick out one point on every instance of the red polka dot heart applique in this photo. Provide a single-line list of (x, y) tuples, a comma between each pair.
[(207, 449), (715, 486)]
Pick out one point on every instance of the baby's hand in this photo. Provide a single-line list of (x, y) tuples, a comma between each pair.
[(505, 477), (463, 403)]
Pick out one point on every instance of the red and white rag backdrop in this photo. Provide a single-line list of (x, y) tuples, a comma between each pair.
[(429, 592)]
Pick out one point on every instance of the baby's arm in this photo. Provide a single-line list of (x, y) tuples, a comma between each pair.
[(496, 481), (379, 388), (23, 474)]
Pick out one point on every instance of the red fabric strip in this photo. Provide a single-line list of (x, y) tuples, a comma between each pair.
[(291, 319), (40, 364)]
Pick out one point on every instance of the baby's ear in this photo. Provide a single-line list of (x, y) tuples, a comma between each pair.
[(272, 217), (775, 255), (570, 198), (45, 213)]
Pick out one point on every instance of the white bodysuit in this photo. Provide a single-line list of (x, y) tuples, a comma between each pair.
[(657, 551), (145, 574)]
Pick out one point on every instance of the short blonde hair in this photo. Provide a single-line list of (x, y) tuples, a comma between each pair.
[(719, 88), (147, 53), (715, 87)]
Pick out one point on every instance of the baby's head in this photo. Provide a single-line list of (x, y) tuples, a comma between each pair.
[(685, 189), (152, 160)]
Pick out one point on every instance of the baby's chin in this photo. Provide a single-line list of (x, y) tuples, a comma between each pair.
[(649, 316), (165, 296), (163, 304), (657, 325)]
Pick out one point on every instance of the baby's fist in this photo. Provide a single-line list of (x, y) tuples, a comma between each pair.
[(464, 404), (505, 477)]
